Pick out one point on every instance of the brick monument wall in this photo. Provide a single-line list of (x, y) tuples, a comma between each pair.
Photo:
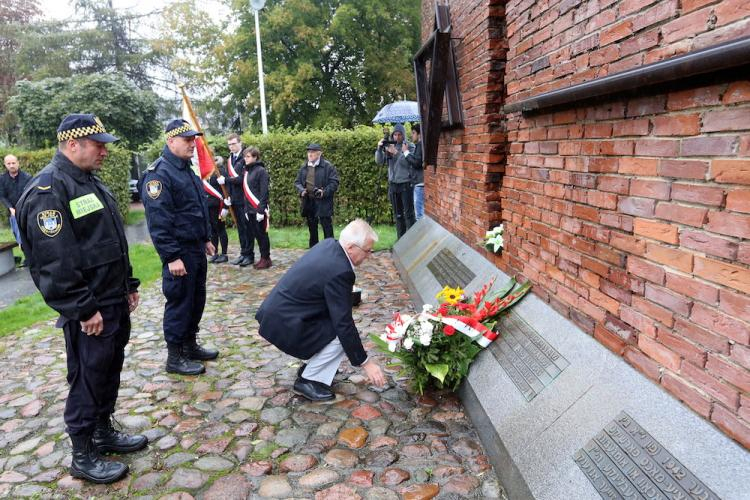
[(631, 216)]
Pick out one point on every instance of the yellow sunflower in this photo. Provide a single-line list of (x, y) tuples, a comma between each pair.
[(450, 295)]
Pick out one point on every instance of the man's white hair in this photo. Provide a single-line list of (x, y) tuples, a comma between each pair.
[(358, 232)]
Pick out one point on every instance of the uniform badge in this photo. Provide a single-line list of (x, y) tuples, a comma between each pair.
[(153, 188), (50, 222)]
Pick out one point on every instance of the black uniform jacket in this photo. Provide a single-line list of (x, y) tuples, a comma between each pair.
[(74, 241), (327, 179), (12, 187), (257, 182), (312, 304), (176, 210), (235, 183)]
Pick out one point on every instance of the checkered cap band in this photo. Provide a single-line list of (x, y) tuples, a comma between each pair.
[(179, 130), (79, 132)]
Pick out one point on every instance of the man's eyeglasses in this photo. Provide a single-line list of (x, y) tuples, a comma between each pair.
[(370, 251)]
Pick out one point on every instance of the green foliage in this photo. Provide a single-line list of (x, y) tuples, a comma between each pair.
[(124, 109), (115, 172), (363, 189)]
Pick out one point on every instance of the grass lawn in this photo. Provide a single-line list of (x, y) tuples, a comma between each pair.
[(147, 267), (135, 216)]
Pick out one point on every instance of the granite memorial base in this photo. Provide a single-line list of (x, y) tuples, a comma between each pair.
[(560, 415)]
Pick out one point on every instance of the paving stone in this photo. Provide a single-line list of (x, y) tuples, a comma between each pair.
[(362, 478), (366, 412), (47, 476), (229, 487), (317, 478), (179, 458), (135, 421), (491, 488), (275, 487), (462, 485), (292, 437), (216, 446), (147, 481), (238, 416), (354, 437), (415, 451), (166, 442), (31, 490), (380, 458), (378, 493), (245, 429), (446, 471), (187, 478), (70, 483), (420, 491), (274, 415), (393, 476), (180, 495), (256, 469), (338, 492), (26, 446), (298, 463), (467, 447), (10, 476), (341, 458), (32, 409), (213, 463)]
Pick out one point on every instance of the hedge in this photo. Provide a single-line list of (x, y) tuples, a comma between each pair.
[(363, 189), (115, 172)]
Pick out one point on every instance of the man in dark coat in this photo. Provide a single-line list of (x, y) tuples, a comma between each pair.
[(308, 314), (74, 240), (317, 182), (12, 184), (177, 218), (236, 170)]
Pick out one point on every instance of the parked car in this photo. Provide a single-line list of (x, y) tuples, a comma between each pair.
[(133, 189)]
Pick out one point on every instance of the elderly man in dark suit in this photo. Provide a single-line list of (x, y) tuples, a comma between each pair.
[(308, 314)]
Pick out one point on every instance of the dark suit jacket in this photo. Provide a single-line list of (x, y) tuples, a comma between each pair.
[(312, 304)]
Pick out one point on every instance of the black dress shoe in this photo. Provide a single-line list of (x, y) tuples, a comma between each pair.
[(314, 391), (246, 261), (212, 259), (107, 439), (236, 261), (220, 259)]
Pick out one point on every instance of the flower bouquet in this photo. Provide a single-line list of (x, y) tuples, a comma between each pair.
[(493, 239), (438, 344)]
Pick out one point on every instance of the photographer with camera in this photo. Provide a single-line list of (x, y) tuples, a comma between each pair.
[(400, 190), (317, 182)]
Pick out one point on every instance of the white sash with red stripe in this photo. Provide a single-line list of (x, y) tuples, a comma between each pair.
[(230, 168), (207, 187), (255, 202)]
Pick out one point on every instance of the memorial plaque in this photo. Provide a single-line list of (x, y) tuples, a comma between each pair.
[(624, 461), (449, 271), (530, 362)]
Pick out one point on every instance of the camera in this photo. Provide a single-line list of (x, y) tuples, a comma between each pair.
[(387, 139)]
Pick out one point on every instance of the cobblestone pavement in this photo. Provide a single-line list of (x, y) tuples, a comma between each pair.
[(238, 431)]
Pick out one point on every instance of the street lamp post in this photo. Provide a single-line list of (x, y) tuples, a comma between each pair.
[(257, 5)]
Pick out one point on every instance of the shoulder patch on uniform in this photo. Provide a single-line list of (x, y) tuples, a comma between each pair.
[(49, 222), (84, 205), (45, 182), (153, 188)]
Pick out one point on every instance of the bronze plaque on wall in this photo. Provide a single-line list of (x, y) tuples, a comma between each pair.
[(449, 271)]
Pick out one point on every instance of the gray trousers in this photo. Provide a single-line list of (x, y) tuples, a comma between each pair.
[(323, 365)]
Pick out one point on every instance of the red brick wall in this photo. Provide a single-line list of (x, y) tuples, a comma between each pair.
[(631, 216)]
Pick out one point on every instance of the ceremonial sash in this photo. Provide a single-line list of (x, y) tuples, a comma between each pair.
[(254, 201), (232, 172), (207, 187)]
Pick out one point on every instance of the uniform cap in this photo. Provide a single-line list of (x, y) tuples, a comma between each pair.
[(76, 126), (180, 128)]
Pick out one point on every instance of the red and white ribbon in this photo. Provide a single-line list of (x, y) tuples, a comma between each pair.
[(230, 168)]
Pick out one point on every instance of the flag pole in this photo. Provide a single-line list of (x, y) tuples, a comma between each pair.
[(210, 151)]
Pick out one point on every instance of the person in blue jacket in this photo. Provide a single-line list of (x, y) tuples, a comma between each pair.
[(177, 217)]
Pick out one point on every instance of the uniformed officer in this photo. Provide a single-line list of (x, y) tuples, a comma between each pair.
[(75, 245), (177, 217)]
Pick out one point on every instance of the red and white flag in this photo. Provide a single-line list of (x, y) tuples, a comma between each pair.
[(203, 162)]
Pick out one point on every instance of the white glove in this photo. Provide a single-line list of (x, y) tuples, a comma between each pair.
[(220, 179), (228, 202), (246, 217), (223, 214), (259, 217)]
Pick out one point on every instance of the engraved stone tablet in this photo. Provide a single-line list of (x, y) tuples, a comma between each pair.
[(624, 461), (530, 362), (449, 271)]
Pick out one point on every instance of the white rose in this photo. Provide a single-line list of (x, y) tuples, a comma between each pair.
[(408, 343), (427, 308), (425, 339), (392, 346)]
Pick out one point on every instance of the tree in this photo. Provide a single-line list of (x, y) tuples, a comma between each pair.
[(327, 62), (123, 108)]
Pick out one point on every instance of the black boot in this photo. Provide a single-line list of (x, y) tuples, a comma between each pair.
[(88, 465), (177, 363), (191, 350), (107, 439)]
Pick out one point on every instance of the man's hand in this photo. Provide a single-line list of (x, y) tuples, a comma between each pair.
[(210, 248), (228, 202), (12, 211), (392, 149), (221, 180), (405, 147), (380, 143), (374, 373), (133, 300), (303, 193), (94, 325), (259, 217), (177, 268)]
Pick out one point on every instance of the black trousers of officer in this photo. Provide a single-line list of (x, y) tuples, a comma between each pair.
[(186, 295), (258, 232), (312, 227), (402, 202), (218, 230), (94, 366)]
